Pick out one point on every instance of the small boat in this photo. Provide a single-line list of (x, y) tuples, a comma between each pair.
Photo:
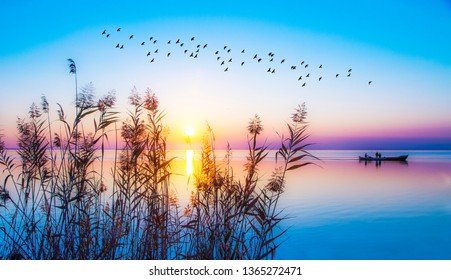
[(398, 158)]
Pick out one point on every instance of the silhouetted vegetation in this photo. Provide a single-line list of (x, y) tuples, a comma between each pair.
[(59, 207)]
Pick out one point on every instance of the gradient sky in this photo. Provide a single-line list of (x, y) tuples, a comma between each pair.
[(402, 46)]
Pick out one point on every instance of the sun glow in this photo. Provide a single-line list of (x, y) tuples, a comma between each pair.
[(189, 131)]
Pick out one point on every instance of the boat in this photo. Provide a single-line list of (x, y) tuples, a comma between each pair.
[(398, 158)]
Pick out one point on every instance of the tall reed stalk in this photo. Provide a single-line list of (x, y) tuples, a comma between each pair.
[(58, 181)]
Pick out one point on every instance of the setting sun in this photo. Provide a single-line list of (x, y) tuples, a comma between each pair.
[(189, 131)]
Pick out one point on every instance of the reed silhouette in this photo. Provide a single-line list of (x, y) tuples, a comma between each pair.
[(59, 207)]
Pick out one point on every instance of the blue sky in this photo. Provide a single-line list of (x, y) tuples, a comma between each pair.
[(403, 46)]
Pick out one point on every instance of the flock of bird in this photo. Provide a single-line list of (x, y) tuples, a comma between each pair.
[(193, 49)]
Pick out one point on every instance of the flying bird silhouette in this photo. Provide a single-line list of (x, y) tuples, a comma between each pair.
[(300, 78), (205, 46), (192, 38), (104, 32), (222, 63), (303, 84), (153, 59), (181, 45), (349, 75), (168, 54), (308, 75), (117, 46), (255, 56), (259, 60), (154, 41), (336, 75), (225, 70), (349, 70), (273, 71), (151, 38), (178, 41), (230, 60), (229, 50), (107, 35), (306, 65), (369, 82), (142, 44), (321, 66), (122, 46), (242, 51), (216, 52), (269, 70), (198, 46), (169, 42), (131, 37), (282, 61), (242, 63), (225, 47), (319, 79), (119, 29), (156, 51), (302, 62), (218, 58), (148, 53)]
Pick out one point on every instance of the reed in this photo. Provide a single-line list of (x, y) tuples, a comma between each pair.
[(59, 209)]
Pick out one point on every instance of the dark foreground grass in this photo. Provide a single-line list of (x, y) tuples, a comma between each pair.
[(59, 208)]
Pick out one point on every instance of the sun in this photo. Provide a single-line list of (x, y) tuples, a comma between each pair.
[(189, 131)]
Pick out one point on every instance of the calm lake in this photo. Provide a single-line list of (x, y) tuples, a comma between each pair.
[(343, 209), (349, 210)]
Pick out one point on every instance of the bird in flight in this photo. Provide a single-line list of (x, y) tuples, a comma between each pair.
[(303, 84), (119, 29), (205, 46), (117, 46), (336, 75), (192, 38), (142, 44), (321, 66), (319, 79), (153, 59), (178, 41), (306, 65), (302, 62), (107, 35), (151, 38), (349, 75), (255, 56), (122, 46), (349, 70), (259, 60), (169, 42), (148, 53), (293, 67), (308, 75), (230, 60), (216, 52), (104, 32), (242, 51), (369, 82), (225, 70), (168, 54), (282, 61), (242, 63), (269, 70), (300, 78), (131, 37)]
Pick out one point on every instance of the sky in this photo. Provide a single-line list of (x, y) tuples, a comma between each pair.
[(401, 46)]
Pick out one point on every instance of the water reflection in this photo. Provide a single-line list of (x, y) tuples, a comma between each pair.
[(189, 162)]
